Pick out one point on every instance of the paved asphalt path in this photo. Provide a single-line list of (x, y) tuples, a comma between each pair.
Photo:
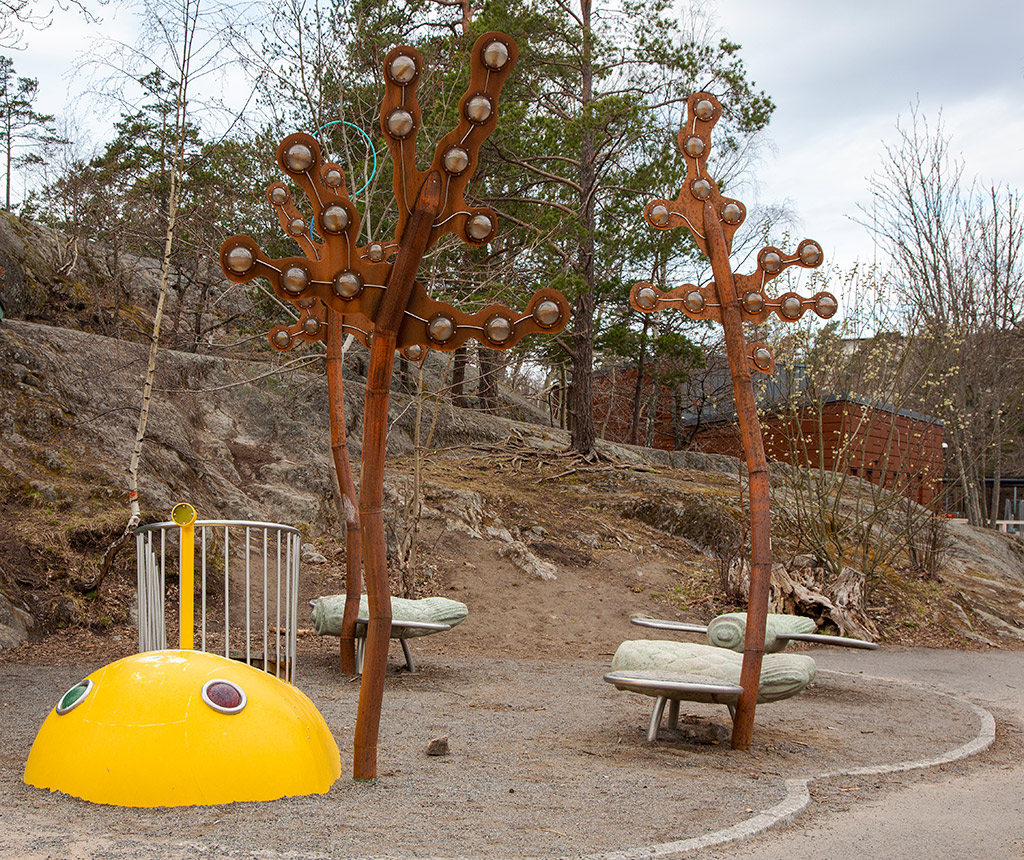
[(975, 814)]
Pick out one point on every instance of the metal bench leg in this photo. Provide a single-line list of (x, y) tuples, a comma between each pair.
[(659, 709), (360, 652), (408, 655), (673, 713)]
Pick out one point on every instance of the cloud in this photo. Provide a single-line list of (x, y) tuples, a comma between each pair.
[(842, 73)]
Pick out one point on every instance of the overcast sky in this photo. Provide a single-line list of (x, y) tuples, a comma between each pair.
[(840, 73)]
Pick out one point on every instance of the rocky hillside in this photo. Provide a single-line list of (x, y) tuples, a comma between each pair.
[(503, 510), (243, 439)]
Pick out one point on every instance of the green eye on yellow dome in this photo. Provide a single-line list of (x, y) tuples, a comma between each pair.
[(74, 697)]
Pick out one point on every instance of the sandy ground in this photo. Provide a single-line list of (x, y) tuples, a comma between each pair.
[(546, 761)]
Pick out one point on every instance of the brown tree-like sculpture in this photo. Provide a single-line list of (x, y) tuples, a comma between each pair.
[(373, 288), (732, 300)]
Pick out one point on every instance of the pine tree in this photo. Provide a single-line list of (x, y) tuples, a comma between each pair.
[(21, 126), (598, 85)]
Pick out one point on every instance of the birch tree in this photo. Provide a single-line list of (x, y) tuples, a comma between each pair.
[(185, 35)]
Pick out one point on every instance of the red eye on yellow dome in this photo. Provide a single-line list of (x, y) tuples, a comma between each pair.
[(223, 696)]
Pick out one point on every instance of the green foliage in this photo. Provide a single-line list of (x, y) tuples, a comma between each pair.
[(669, 356), (587, 134)]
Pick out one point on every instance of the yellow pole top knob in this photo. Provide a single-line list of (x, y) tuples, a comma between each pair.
[(183, 514)]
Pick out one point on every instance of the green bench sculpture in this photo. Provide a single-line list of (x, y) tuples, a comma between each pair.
[(729, 631), (673, 671), (409, 619)]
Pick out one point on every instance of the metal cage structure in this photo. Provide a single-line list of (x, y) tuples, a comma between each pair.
[(248, 584)]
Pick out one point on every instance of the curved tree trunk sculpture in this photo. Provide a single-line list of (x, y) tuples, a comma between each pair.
[(347, 487), (732, 300), (382, 304)]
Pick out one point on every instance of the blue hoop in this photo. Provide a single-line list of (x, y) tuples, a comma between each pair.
[(369, 143)]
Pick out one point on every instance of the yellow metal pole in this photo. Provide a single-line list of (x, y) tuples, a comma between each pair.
[(183, 515)]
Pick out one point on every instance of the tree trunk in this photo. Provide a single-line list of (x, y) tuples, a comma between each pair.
[(611, 405), (10, 147), (652, 414), (346, 485), (634, 422), (997, 475), (487, 383), (842, 603), (460, 357), (403, 372), (582, 433), (757, 479), (581, 418), (390, 312), (197, 318)]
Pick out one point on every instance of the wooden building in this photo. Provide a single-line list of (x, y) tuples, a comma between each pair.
[(887, 446), (614, 397), (894, 448)]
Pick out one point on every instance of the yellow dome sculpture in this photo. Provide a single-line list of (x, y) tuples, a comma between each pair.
[(183, 728)]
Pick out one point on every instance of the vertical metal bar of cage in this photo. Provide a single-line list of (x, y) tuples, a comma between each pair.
[(142, 594), (145, 541), (152, 577), (160, 627), (140, 563), (159, 589), (155, 592), (288, 606), (289, 627), (202, 597), (277, 609), (266, 619), (161, 596), (153, 614), (227, 614), (156, 615), (289, 555), (295, 608), (156, 619), (151, 581), (151, 596), (248, 607), (289, 600), (162, 590)]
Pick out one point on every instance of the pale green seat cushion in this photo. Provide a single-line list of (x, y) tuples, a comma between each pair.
[(329, 611), (782, 675), (729, 631)]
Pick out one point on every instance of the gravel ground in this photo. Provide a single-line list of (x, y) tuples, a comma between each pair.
[(545, 761)]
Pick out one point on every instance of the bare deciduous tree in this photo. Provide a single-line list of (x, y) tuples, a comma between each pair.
[(958, 255), (857, 465)]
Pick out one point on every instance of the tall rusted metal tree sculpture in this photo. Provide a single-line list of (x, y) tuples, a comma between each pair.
[(373, 288), (732, 300)]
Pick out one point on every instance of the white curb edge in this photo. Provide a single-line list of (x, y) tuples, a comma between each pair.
[(798, 794)]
